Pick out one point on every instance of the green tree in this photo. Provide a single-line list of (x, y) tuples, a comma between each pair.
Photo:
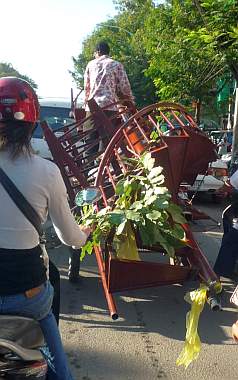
[(173, 51), (185, 56), (179, 69), (123, 33), (6, 69), (219, 29)]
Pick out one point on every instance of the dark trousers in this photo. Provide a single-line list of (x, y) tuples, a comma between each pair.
[(227, 219), (228, 254), (94, 135), (92, 139), (228, 214), (74, 264), (55, 282)]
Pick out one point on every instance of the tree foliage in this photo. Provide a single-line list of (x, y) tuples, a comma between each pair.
[(219, 29), (6, 69), (172, 51), (185, 60)]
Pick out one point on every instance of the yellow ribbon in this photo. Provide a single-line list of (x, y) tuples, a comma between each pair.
[(192, 345)]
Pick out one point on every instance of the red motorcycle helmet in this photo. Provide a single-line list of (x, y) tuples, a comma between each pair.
[(18, 100)]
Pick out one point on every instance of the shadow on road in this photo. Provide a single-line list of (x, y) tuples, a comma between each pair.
[(154, 310)]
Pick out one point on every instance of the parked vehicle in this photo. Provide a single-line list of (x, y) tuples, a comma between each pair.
[(208, 125), (218, 171), (218, 136), (56, 112), (227, 159), (20, 355), (212, 182)]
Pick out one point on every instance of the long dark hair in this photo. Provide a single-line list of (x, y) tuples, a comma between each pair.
[(15, 137)]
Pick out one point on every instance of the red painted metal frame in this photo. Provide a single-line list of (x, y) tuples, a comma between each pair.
[(69, 169), (123, 275), (173, 150), (69, 154)]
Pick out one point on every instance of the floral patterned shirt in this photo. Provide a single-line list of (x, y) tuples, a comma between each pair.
[(106, 81)]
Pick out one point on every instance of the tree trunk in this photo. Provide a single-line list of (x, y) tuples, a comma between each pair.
[(198, 111)]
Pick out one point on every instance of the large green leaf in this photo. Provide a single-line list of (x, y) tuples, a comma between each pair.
[(133, 215), (120, 187), (150, 200), (102, 212), (120, 228), (87, 248), (138, 205), (178, 231), (168, 248), (160, 190), (161, 203), (163, 241), (146, 234), (116, 217), (149, 193), (153, 215), (158, 180), (155, 172), (148, 161), (175, 212)]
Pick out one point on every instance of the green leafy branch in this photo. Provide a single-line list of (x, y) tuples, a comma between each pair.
[(143, 206)]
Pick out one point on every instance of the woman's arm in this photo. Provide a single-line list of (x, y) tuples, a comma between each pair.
[(234, 331), (68, 231)]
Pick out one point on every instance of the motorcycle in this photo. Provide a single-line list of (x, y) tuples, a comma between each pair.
[(20, 342), (21, 338)]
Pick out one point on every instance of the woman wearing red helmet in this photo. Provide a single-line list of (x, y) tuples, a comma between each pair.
[(24, 288)]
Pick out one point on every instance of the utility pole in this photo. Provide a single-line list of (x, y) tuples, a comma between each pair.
[(235, 128), (229, 120)]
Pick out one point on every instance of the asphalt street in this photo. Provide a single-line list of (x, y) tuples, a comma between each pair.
[(149, 334)]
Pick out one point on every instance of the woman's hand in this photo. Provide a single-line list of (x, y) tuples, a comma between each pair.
[(86, 230), (234, 331)]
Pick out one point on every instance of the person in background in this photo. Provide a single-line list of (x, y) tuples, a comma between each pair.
[(24, 288), (228, 254), (106, 81), (234, 331), (223, 146), (234, 301)]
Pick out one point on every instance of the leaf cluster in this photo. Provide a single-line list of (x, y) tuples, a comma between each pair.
[(144, 202)]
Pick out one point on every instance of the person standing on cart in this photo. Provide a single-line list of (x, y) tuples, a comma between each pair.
[(106, 81)]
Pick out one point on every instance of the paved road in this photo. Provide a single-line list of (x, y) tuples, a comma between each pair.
[(147, 338)]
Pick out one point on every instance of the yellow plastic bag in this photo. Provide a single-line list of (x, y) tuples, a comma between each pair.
[(192, 345), (127, 247)]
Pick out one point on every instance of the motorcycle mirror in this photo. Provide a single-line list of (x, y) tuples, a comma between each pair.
[(88, 196)]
